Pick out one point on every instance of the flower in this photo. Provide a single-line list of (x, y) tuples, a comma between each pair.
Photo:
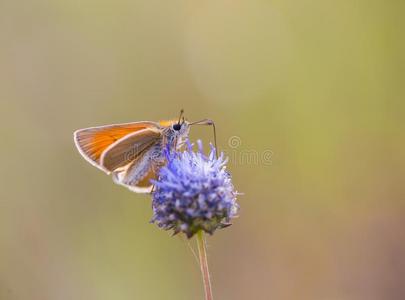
[(193, 192)]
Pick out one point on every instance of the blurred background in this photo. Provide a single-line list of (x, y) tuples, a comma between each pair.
[(308, 99)]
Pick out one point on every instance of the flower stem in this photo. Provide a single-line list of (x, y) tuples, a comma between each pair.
[(202, 251)]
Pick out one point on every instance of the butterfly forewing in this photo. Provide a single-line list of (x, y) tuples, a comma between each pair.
[(91, 142), (128, 149)]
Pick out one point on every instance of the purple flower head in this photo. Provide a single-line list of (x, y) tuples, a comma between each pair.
[(193, 192)]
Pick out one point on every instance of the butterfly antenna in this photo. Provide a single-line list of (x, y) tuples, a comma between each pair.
[(181, 114)]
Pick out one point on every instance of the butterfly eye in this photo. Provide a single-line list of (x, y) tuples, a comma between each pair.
[(176, 126)]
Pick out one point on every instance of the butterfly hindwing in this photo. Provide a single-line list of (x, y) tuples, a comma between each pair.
[(137, 175)]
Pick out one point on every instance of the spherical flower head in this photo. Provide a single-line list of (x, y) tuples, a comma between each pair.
[(193, 192)]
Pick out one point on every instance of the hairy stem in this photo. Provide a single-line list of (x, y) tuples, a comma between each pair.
[(202, 251)]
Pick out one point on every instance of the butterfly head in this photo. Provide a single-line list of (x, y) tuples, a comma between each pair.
[(175, 131), (175, 128)]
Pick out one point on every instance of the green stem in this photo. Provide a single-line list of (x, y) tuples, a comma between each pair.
[(202, 251)]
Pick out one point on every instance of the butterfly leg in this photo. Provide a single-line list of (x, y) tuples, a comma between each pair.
[(210, 123)]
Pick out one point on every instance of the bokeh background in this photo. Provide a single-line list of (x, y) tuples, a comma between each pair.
[(317, 84)]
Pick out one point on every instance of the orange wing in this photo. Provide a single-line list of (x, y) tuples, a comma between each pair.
[(128, 148), (91, 142)]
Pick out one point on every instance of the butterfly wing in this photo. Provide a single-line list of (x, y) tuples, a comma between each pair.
[(136, 175), (128, 149), (91, 142)]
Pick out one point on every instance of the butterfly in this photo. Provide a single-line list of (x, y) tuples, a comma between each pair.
[(133, 152)]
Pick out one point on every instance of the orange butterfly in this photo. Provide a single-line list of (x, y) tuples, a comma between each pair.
[(133, 152)]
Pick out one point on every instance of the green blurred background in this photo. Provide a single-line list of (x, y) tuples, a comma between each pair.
[(319, 85)]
